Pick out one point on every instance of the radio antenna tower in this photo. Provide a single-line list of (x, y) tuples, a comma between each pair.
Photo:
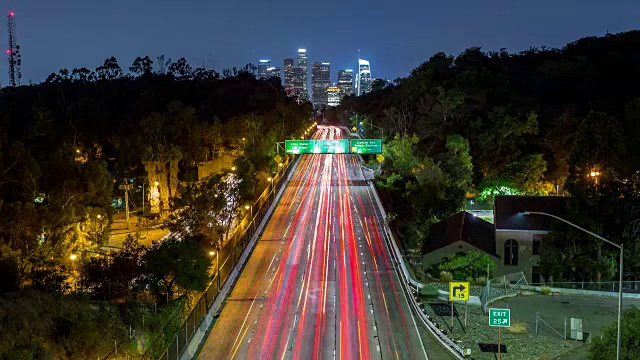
[(15, 59)]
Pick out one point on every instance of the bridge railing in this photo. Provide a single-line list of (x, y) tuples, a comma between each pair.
[(407, 282), (228, 257)]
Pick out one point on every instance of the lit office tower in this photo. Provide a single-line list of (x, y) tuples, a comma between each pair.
[(320, 81), (273, 72), (298, 88), (333, 96), (345, 82), (288, 75), (263, 65), (363, 80), (302, 64)]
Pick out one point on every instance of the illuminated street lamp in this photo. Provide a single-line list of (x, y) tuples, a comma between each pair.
[(73, 257), (233, 168), (211, 253), (269, 179), (99, 216), (279, 164), (157, 183), (249, 207), (619, 246)]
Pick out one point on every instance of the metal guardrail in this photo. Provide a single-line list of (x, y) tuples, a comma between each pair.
[(406, 281), (231, 252)]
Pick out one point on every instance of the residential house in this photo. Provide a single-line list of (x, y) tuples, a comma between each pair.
[(518, 237), (462, 232)]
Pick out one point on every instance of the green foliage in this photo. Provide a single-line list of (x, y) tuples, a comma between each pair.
[(446, 277), (605, 348), (463, 266), (174, 265), (490, 187), (400, 152), (38, 325), (429, 292), (500, 138)]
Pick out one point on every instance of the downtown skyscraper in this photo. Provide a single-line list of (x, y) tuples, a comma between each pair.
[(263, 66), (320, 82), (288, 75), (345, 82), (300, 76), (363, 79)]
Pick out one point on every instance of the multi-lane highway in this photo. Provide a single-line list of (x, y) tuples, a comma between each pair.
[(320, 283)]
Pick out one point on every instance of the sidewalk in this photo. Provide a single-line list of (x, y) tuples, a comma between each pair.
[(145, 235)]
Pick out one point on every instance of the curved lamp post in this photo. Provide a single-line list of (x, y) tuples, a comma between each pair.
[(619, 246)]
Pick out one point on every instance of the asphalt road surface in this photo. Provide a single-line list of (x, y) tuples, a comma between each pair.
[(320, 283)]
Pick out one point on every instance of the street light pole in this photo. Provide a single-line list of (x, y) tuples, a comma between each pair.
[(619, 246), (381, 130)]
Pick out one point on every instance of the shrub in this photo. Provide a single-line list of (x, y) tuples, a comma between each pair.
[(482, 280), (462, 265), (545, 290), (446, 277), (517, 328), (429, 292), (468, 279), (605, 347)]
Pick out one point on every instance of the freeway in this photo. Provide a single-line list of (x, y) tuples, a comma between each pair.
[(320, 283)]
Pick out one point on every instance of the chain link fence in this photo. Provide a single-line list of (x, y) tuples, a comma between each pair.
[(628, 287), (500, 287), (173, 340)]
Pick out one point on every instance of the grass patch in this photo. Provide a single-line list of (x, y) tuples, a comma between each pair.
[(545, 290), (517, 328)]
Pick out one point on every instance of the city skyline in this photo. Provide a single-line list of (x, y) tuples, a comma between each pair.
[(50, 34)]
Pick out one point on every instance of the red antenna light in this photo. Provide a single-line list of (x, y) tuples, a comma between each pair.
[(8, 51), (11, 14)]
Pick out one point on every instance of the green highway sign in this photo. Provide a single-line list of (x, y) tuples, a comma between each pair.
[(298, 146), (333, 146), (340, 146), (500, 317), (366, 146)]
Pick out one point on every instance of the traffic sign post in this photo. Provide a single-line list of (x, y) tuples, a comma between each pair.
[(459, 291), (499, 318)]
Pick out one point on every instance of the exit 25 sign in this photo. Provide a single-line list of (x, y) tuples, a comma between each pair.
[(500, 317)]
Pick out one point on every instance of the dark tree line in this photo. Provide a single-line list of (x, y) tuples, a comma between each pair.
[(533, 120), (65, 146)]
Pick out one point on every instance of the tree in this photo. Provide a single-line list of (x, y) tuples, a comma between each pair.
[(501, 137), (400, 152), (141, 66), (605, 348), (378, 84), (110, 70), (173, 265), (181, 69)]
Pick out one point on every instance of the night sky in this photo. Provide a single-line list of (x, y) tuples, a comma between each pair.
[(396, 36)]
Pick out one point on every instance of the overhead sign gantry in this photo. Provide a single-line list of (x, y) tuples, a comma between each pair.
[(338, 146)]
